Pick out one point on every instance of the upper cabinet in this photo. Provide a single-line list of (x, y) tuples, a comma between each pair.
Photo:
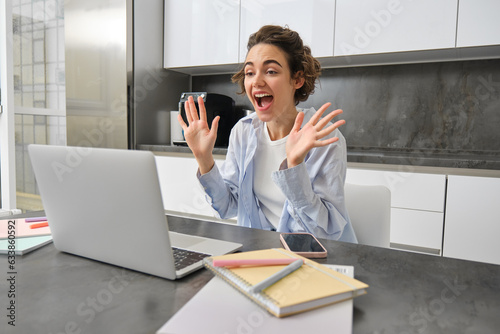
[(381, 26), (210, 37), (201, 33), (478, 23), (313, 20)]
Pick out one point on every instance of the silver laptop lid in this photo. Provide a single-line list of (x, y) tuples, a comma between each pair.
[(105, 204)]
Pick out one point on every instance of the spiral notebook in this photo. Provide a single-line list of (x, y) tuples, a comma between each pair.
[(312, 286)]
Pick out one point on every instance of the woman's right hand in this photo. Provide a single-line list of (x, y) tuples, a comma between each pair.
[(200, 139)]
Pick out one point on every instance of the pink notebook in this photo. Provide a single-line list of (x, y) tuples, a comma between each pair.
[(21, 227)]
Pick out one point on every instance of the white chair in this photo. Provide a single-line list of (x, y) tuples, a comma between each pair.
[(369, 208)]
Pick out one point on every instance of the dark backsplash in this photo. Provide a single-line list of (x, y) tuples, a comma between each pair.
[(448, 113)]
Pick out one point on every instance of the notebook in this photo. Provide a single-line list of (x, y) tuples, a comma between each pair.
[(21, 246), (21, 228), (311, 286), (220, 308), (106, 205)]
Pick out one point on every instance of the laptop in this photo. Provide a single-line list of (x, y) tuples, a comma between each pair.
[(106, 205)]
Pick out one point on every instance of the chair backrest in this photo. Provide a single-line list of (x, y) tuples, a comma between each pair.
[(369, 208)]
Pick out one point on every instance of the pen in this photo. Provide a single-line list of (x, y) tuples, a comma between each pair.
[(277, 276), (251, 262), (38, 225), (35, 219)]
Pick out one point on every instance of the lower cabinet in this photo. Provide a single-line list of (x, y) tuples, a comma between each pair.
[(181, 192), (417, 230), (179, 188), (417, 206), (472, 226)]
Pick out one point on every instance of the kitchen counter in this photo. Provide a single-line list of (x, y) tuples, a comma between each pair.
[(421, 158)]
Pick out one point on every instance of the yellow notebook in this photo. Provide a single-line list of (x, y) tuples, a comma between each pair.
[(311, 286)]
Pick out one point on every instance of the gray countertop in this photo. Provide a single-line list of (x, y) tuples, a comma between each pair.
[(408, 293), (389, 156)]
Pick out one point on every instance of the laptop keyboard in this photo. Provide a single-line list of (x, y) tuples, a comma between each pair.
[(184, 258)]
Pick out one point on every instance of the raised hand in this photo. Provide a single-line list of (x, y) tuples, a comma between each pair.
[(200, 139), (301, 141)]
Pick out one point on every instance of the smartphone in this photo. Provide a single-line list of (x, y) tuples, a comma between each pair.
[(304, 244)]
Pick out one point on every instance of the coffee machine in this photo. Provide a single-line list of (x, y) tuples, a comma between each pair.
[(215, 105)]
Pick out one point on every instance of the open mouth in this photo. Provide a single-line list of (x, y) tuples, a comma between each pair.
[(263, 100)]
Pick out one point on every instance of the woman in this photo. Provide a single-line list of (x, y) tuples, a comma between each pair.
[(285, 168)]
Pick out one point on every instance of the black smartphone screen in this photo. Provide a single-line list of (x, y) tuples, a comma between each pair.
[(302, 243)]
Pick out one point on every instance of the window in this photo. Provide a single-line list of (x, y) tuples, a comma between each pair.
[(39, 87)]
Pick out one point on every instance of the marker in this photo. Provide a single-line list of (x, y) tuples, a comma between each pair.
[(251, 262), (38, 225), (35, 219), (277, 276)]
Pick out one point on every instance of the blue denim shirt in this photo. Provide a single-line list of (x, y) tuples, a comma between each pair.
[(314, 189)]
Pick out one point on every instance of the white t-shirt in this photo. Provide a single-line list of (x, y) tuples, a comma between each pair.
[(268, 159)]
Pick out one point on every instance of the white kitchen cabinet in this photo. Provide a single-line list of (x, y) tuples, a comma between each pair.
[(419, 228), (472, 225), (478, 23), (181, 192), (313, 20), (201, 33), (385, 26), (409, 190), (417, 206), (179, 188)]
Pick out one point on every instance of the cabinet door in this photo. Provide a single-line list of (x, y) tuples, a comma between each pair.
[(478, 23), (421, 229), (472, 223), (180, 190), (313, 20), (201, 33), (379, 26), (417, 191)]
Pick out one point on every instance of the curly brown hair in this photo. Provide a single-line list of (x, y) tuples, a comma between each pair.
[(297, 54)]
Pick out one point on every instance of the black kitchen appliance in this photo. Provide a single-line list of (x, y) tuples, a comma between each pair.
[(216, 105)]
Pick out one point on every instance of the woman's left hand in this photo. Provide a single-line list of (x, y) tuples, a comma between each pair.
[(301, 141)]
